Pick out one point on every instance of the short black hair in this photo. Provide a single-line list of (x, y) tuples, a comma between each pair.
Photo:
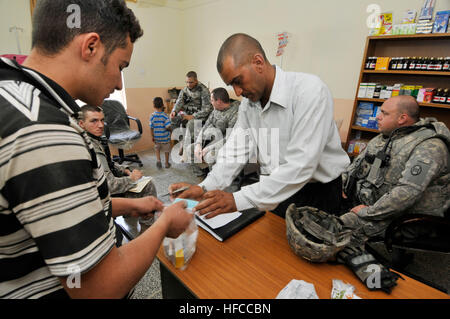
[(158, 103), (88, 108), (221, 94), (191, 74), (241, 47), (111, 19)]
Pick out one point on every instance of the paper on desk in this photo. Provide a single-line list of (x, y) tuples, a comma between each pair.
[(219, 220), (215, 222), (298, 289), (140, 184)]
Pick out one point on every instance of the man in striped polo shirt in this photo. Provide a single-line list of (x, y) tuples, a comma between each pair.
[(57, 236)]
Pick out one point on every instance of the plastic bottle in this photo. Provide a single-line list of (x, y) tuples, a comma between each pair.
[(419, 63), (394, 63), (406, 63), (400, 63), (446, 65), (437, 96), (412, 63), (444, 97), (431, 64), (373, 63)]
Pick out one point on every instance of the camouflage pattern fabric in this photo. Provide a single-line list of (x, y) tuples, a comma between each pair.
[(217, 120), (194, 102), (120, 185), (414, 180)]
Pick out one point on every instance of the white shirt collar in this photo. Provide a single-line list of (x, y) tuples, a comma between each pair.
[(278, 95)]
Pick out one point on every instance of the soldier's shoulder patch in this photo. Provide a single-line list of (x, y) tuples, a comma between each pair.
[(418, 173), (416, 170)]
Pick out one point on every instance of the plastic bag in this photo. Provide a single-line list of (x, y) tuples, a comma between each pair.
[(298, 289), (342, 290), (181, 249)]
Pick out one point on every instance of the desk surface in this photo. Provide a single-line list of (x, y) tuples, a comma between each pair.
[(257, 263)]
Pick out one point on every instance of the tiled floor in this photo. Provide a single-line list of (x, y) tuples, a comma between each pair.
[(149, 287)]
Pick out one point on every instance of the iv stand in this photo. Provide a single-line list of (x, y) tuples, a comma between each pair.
[(16, 29)]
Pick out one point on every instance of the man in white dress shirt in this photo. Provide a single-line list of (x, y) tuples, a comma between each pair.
[(286, 119)]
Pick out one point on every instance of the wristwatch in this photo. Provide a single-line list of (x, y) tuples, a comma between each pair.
[(203, 188)]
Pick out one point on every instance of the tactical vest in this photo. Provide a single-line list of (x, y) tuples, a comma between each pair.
[(369, 190)]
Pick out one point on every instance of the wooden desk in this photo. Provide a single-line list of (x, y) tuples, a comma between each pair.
[(257, 263)]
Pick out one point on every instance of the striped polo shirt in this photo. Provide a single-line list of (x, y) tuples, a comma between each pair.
[(55, 212), (159, 122)]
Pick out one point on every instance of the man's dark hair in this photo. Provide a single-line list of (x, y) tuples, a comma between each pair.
[(191, 74), (221, 94), (158, 103), (88, 108), (111, 19), (241, 47)]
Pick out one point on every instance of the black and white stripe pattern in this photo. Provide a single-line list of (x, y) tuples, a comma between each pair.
[(55, 215)]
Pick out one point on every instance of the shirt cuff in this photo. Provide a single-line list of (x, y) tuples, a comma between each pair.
[(242, 203), (207, 184)]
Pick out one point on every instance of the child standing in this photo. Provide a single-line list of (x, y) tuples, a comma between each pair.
[(160, 128)]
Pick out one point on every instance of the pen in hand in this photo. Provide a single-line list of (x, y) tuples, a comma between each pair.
[(177, 191)]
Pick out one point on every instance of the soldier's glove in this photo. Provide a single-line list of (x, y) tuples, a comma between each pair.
[(373, 274)]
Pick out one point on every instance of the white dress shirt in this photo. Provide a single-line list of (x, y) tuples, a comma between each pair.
[(294, 139)]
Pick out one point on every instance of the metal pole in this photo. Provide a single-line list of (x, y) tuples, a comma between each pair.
[(15, 29)]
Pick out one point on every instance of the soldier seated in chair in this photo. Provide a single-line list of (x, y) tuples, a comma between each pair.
[(120, 179), (405, 169)]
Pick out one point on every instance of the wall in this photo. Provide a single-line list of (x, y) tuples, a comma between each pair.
[(327, 38), (15, 13)]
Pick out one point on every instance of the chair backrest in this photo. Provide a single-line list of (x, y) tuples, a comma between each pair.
[(115, 116)]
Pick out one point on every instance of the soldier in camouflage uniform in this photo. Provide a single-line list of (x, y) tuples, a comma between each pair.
[(194, 102), (120, 180), (213, 134), (405, 169)]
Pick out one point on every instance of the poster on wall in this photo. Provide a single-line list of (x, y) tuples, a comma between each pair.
[(282, 42)]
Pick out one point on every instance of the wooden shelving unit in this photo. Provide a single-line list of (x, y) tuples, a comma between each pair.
[(429, 45)]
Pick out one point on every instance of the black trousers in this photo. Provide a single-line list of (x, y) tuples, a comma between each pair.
[(326, 197)]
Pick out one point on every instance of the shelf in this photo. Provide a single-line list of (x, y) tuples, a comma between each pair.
[(436, 105), (431, 73), (432, 45), (360, 128), (410, 36)]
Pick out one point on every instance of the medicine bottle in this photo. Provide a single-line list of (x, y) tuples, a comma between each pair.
[(373, 63), (437, 96), (444, 97), (419, 63), (439, 64), (431, 65), (400, 63), (446, 65), (425, 63), (412, 63)]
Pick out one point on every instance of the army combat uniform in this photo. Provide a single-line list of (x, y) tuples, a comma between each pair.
[(219, 120), (196, 102), (406, 173), (119, 185)]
